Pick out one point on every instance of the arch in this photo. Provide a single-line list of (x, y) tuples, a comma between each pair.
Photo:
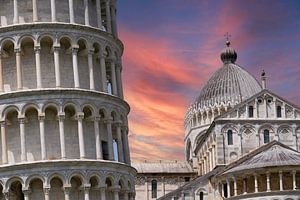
[(13, 179), (103, 112), (76, 174), (114, 115), (28, 106), (107, 52), (90, 106), (68, 38), (229, 126), (9, 109), (72, 105), (52, 104), (59, 176), (84, 40), (26, 37), (109, 180), (283, 127), (45, 35), (33, 177), (266, 126), (5, 41)]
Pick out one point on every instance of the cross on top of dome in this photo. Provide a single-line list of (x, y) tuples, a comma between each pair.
[(227, 35)]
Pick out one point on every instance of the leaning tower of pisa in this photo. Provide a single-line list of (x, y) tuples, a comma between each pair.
[(62, 114)]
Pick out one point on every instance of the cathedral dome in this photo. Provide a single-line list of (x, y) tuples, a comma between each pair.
[(229, 84)]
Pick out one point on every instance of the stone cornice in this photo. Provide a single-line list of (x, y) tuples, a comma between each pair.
[(44, 94), (62, 28)]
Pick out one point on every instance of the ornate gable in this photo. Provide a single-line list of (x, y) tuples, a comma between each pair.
[(264, 105)]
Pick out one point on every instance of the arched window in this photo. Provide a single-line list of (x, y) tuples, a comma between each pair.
[(266, 136), (229, 137), (250, 111), (225, 190), (201, 195), (278, 111), (154, 188)]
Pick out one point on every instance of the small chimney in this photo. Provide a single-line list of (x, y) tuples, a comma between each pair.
[(263, 79)]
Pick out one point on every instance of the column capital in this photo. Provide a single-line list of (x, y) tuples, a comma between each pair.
[(79, 116), (47, 190), (91, 51), (75, 50), (41, 116), (61, 115), (26, 192), (108, 120), (21, 120), (17, 50), (67, 189), (115, 189), (37, 48), (56, 47), (2, 123), (97, 118), (118, 123)]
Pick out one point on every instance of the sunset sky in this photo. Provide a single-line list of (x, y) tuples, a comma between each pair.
[(173, 46)]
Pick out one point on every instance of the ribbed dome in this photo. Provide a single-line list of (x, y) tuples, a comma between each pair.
[(230, 83)]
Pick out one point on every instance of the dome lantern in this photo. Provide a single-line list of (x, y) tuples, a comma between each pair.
[(228, 54)]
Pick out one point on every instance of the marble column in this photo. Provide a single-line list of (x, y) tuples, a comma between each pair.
[(146, 190), (99, 17), (245, 185), (268, 182), (16, 12), (255, 183), (103, 74), (22, 138), (235, 186), (108, 16), (113, 78), (47, 193), (1, 74), (56, 65), (294, 180), (91, 69), (26, 194), (67, 193), (42, 135), (53, 11), (114, 21), (86, 13), (280, 181), (34, 11), (19, 70), (119, 81), (120, 143), (98, 144), (75, 67), (102, 192), (37, 50), (79, 118), (61, 117), (86, 193), (4, 143), (228, 188), (71, 11), (126, 145), (110, 139), (116, 193)]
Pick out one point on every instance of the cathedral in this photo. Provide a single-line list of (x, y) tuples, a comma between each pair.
[(241, 140)]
